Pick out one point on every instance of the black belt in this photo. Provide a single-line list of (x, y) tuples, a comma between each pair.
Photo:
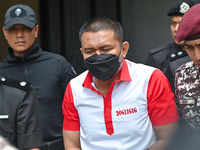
[(53, 145)]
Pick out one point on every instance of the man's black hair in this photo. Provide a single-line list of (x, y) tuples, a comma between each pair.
[(102, 24)]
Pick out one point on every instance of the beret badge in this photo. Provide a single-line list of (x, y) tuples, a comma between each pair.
[(184, 7)]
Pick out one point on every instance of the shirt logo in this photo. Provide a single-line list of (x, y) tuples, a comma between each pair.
[(126, 111)]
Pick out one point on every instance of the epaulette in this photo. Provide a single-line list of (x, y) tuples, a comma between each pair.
[(23, 85), (177, 55), (161, 48)]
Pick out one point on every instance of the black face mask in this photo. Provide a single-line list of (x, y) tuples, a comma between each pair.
[(103, 66)]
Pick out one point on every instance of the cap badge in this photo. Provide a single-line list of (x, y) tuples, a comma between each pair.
[(22, 83), (184, 7), (18, 11)]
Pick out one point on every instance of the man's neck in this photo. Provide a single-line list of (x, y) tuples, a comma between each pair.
[(103, 86)]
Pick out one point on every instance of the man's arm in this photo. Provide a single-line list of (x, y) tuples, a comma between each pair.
[(71, 140), (28, 127), (164, 134)]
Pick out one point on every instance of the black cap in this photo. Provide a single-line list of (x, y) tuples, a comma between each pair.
[(20, 14), (179, 9)]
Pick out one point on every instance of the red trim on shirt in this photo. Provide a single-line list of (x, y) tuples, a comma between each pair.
[(71, 118), (161, 101), (108, 111), (124, 76)]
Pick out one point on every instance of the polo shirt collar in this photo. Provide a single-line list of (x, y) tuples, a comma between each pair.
[(124, 76)]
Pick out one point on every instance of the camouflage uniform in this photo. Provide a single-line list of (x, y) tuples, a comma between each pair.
[(187, 90)]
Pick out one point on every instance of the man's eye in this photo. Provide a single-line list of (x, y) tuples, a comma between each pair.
[(188, 47), (173, 23), (88, 52), (106, 50), (12, 28), (26, 28)]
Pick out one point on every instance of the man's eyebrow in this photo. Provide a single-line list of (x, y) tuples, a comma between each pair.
[(105, 46), (88, 48), (101, 47), (186, 45)]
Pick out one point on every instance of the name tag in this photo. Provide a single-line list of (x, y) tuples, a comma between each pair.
[(4, 117), (187, 101)]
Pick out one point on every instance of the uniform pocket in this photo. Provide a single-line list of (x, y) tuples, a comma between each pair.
[(7, 126)]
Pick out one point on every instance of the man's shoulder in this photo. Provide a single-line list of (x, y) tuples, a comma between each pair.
[(22, 85), (141, 69), (51, 54), (161, 49), (81, 77), (187, 66), (186, 73), (54, 56)]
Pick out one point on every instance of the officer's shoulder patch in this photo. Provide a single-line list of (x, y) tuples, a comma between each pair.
[(177, 55), (23, 85)]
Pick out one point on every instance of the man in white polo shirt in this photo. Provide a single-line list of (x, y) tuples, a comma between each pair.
[(116, 104)]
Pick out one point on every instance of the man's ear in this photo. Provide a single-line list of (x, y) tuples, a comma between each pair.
[(125, 48), (36, 30), (4, 32), (81, 50)]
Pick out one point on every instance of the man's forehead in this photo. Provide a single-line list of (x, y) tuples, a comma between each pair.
[(192, 42), (99, 32), (174, 18), (96, 36)]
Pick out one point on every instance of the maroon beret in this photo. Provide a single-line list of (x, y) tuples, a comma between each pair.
[(189, 28)]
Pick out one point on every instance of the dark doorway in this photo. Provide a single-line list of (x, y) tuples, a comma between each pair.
[(61, 20)]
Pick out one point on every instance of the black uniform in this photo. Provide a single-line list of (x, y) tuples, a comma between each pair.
[(168, 58), (49, 74), (19, 114)]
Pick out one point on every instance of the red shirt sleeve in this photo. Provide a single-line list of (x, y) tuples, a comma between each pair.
[(71, 118), (161, 101)]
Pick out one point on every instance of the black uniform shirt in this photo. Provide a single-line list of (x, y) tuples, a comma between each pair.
[(19, 114), (49, 74), (168, 58)]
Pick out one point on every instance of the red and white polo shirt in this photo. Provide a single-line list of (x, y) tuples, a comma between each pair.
[(122, 119)]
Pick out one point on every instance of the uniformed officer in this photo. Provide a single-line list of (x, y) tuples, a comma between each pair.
[(169, 57), (187, 76), (49, 73), (19, 114)]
